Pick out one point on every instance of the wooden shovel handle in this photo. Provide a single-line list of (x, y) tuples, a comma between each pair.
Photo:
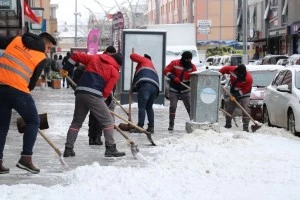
[(130, 90), (50, 143), (187, 87), (117, 102)]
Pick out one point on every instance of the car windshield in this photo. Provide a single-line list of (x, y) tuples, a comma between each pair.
[(263, 78), (297, 80)]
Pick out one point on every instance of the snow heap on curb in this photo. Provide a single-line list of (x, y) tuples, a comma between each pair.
[(202, 165)]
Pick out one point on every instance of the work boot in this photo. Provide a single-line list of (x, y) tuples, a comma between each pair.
[(111, 151), (3, 170), (228, 123), (246, 127), (171, 127), (150, 129), (69, 152), (25, 163)]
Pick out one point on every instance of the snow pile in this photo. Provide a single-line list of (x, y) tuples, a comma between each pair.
[(202, 165)]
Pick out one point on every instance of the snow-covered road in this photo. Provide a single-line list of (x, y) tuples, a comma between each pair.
[(231, 165)]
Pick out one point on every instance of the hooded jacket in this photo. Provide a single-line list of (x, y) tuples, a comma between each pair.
[(100, 75), (242, 87), (144, 72), (176, 69), (34, 60)]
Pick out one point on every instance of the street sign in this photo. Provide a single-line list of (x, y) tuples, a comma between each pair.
[(203, 23), (204, 30), (5, 4)]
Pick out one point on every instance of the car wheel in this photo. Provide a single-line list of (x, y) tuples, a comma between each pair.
[(266, 119), (291, 123)]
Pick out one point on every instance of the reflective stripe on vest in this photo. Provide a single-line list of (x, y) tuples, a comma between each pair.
[(11, 58), (15, 71)]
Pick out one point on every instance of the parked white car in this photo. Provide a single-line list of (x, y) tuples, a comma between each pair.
[(281, 102)]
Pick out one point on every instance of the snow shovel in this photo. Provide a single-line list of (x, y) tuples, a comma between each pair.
[(61, 159), (135, 126), (229, 115), (21, 126), (256, 125), (134, 147), (122, 126), (43, 123)]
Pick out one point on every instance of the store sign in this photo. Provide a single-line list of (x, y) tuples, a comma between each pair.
[(294, 28), (278, 32), (39, 13), (5, 4)]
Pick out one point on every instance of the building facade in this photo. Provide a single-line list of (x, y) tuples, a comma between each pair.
[(49, 15), (272, 26), (220, 14)]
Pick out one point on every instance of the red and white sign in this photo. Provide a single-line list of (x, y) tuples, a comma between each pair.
[(58, 49)]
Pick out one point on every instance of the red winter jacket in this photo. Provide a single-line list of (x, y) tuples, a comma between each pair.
[(144, 72), (100, 75), (245, 87), (175, 69)]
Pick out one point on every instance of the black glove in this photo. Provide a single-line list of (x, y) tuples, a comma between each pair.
[(236, 93)]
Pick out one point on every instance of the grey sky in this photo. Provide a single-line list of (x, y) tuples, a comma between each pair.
[(66, 9)]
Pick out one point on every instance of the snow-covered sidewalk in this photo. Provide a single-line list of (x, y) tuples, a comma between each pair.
[(231, 165)]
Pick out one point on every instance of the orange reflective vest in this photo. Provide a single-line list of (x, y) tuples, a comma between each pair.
[(17, 64)]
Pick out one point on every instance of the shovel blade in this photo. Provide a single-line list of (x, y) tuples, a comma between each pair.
[(150, 138), (134, 149), (255, 128), (125, 127), (21, 125)]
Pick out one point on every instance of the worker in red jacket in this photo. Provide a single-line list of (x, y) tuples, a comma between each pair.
[(240, 88), (146, 84), (95, 85), (178, 71)]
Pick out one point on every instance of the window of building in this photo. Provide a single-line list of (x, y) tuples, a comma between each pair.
[(268, 4), (284, 14)]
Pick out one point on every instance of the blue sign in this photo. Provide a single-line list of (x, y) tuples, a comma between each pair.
[(44, 25)]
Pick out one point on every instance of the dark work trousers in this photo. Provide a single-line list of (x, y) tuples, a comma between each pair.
[(173, 97), (96, 105), (94, 127), (147, 93), (231, 105), (23, 103)]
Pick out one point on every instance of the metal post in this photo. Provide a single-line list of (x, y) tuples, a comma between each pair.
[(245, 11), (191, 11), (75, 23)]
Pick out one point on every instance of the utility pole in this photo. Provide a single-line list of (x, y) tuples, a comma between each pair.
[(245, 42), (76, 14)]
